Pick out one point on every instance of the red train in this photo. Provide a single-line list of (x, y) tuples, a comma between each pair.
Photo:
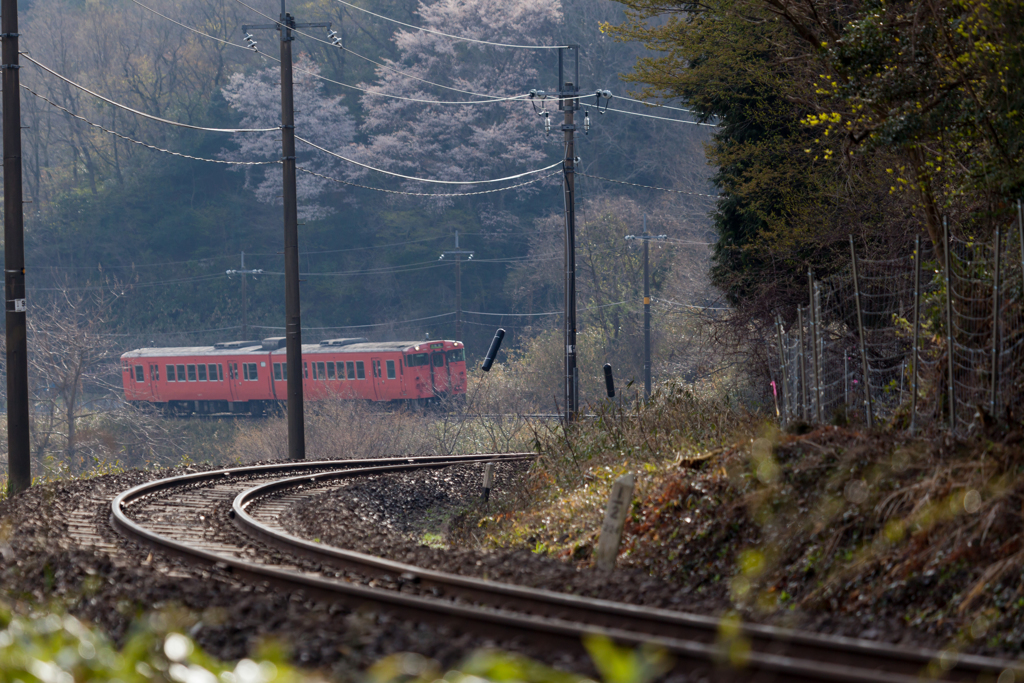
[(251, 376)]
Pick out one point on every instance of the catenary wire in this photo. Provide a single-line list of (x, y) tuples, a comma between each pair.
[(649, 187), (429, 180), (448, 35), (144, 144), (424, 194), (144, 114)]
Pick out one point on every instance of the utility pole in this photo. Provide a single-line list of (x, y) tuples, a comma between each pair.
[(293, 323), (245, 296), (646, 238), (19, 464), (568, 102), (458, 254)]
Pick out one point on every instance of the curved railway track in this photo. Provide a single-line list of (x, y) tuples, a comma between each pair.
[(176, 516)]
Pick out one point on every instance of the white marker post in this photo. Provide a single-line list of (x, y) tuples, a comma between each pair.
[(488, 480), (614, 518)]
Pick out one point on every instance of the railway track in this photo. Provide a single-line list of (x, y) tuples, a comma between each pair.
[(178, 516)]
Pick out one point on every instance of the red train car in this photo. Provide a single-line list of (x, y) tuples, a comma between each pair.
[(251, 376)]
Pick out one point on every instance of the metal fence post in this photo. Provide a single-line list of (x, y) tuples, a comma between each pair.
[(803, 363), (917, 331), (814, 347), (860, 327), (950, 343), (782, 362), (993, 407), (821, 351)]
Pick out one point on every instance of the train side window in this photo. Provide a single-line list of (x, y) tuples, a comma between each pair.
[(251, 371), (277, 372), (181, 373), (220, 372), (360, 372), (401, 371), (321, 371), (139, 376), (154, 373), (170, 373), (191, 373), (351, 369), (330, 369), (202, 372), (391, 369), (305, 370), (213, 372)]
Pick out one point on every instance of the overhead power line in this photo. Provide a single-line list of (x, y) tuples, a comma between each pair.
[(648, 116), (142, 113), (449, 35), (425, 194), (428, 180), (353, 327), (649, 187), (139, 142)]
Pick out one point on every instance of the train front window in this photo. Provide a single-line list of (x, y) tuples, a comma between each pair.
[(360, 372), (439, 359), (457, 356), (415, 360), (202, 372), (139, 376)]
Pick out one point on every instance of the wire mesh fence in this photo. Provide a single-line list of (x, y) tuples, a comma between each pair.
[(928, 339)]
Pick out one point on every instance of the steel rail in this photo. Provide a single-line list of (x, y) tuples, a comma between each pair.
[(561, 619), (606, 613)]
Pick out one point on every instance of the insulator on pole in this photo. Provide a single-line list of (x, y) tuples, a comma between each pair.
[(609, 381), (493, 351)]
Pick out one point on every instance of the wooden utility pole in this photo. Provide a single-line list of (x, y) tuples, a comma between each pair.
[(293, 323), (19, 464), (568, 94), (458, 254), (646, 237)]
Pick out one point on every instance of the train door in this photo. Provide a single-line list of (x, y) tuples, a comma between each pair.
[(439, 376), (234, 380), (377, 377)]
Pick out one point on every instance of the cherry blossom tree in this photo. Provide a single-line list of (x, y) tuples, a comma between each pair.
[(471, 141), (318, 117)]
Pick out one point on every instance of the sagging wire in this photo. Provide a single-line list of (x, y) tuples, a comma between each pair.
[(425, 194), (427, 180), (454, 37), (144, 114), (139, 142)]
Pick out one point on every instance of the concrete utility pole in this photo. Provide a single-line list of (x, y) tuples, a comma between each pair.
[(646, 237), (245, 295), (293, 323), (458, 254), (569, 102), (19, 464)]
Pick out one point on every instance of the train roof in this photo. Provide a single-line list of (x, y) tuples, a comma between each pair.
[(258, 349)]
